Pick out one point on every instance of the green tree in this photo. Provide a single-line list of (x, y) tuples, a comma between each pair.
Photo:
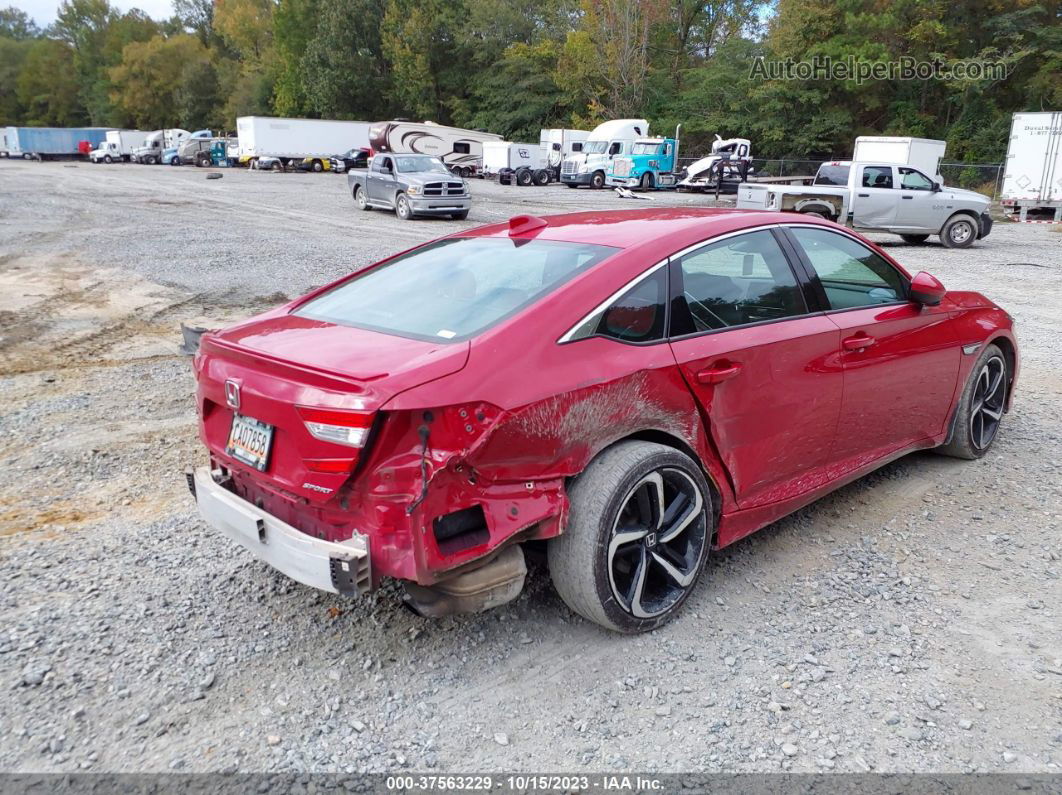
[(47, 86), (12, 57), (17, 24), (295, 24), (147, 83), (83, 25)]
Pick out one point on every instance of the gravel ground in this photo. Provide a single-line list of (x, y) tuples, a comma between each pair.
[(908, 622)]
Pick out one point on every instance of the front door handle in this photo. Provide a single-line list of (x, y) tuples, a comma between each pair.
[(863, 195), (907, 198), (718, 372), (858, 342)]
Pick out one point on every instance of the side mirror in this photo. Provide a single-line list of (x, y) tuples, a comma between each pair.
[(936, 187), (926, 290)]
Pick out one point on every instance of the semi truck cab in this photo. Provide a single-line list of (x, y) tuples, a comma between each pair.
[(606, 142), (651, 164)]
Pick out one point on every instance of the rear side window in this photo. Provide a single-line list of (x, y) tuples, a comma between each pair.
[(877, 177), (734, 282), (453, 289), (832, 175), (851, 274), (638, 316)]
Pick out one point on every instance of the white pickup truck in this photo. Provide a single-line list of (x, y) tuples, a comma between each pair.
[(880, 197)]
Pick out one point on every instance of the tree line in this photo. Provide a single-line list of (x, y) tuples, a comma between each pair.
[(514, 66)]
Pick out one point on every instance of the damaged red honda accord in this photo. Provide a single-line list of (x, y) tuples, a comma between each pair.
[(630, 389)]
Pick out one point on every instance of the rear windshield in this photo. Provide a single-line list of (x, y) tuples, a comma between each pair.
[(453, 289), (832, 175)]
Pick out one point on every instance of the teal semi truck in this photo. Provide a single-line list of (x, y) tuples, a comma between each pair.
[(651, 165)]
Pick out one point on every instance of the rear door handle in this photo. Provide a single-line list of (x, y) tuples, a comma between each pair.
[(907, 198), (718, 373), (858, 342)]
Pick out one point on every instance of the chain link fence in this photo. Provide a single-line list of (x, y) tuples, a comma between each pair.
[(984, 178)]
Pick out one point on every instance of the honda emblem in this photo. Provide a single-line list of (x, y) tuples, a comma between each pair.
[(232, 394)]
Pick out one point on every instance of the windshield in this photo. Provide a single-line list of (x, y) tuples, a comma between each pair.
[(431, 165), (832, 175), (453, 289), (595, 147), (645, 149)]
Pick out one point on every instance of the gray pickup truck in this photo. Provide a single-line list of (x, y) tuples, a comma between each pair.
[(880, 197), (410, 185)]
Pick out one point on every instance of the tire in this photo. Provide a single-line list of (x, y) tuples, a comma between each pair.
[(402, 208), (175, 161), (959, 232), (317, 166), (360, 199), (524, 178), (151, 160), (107, 159), (593, 573), (646, 182), (278, 166), (977, 417), (597, 181), (464, 172), (816, 214), (461, 216), (571, 184), (541, 177), (915, 240), (202, 161)]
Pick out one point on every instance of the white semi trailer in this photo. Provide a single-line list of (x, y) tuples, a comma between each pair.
[(1032, 180), (294, 141)]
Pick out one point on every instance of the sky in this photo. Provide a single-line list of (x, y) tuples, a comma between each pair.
[(43, 11)]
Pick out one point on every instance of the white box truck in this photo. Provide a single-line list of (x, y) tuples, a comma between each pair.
[(295, 142), (924, 154), (1032, 177), (558, 144), (514, 163), (118, 146)]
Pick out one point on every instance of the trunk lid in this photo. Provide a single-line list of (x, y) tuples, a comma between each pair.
[(279, 367)]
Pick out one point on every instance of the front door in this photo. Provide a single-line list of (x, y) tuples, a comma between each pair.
[(381, 180), (900, 360), (763, 369), (917, 198), (874, 203)]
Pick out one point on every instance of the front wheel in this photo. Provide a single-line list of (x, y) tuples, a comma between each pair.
[(317, 166), (646, 182), (959, 232), (571, 184), (461, 216), (402, 208), (915, 240), (107, 159), (597, 181), (637, 537), (981, 406)]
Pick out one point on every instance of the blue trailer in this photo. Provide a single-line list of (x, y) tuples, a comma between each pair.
[(47, 142)]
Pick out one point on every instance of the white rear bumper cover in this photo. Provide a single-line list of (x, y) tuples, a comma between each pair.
[(339, 567)]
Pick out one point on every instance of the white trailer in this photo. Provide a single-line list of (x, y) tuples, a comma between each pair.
[(924, 154), (461, 150), (1032, 180), (519, 163), (312, 141), (118, 146)]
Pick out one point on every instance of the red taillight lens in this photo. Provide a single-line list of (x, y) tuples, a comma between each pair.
[(335, 425), (330, 466)]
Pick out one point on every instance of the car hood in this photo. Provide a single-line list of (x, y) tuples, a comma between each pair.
[(421, 177), (967, 195)]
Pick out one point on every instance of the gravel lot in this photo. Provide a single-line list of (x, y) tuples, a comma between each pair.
[(909, 622)]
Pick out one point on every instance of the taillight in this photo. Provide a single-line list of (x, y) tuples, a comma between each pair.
[(335, 425)]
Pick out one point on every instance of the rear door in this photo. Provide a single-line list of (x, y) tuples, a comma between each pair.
[(762, 366), (875, 199), (900, 360)]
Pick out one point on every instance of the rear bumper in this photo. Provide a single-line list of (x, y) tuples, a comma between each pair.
[(339, 567)]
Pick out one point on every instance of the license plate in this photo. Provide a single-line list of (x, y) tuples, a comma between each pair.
[(249, 441)]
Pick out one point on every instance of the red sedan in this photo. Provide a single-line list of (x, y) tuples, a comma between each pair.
[(627, 389)]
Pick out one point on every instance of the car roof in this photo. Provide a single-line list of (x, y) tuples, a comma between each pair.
[(630, 228)]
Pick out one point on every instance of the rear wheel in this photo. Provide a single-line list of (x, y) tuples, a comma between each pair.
[(915, 239), (360, 199), (465, 172), (959, 232), (597, 181), (317, 165), (980, 409), (541, 177), (524, 178), (815, 214), (637, 537)]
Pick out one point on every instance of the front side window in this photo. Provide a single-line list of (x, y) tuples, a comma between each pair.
[(877, 177), (643, 148), (851, 274), (595, 147), (453, 289), (615, 148), (382, 165), (734, 282), (414, 165), (914, 180)]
